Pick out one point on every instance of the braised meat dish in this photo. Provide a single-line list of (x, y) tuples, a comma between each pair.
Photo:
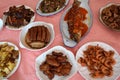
[(56, 64), (38, 37), (18, 16), (74, 18), (111, 17), (48, 6), (98, 61)]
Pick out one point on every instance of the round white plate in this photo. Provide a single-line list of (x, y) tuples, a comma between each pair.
[(40, 59), (24, 31), (49, 14), (84, 71), (64, 26), (17, 60), (14, 28)]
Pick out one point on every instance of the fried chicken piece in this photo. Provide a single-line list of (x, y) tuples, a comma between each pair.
[(44, 67), (57, 53), (62, 59), (51, 60), (66, 68), (57, 69), (49, 74)]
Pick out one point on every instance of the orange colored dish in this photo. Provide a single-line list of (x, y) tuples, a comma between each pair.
[(98, 61), (75, 19)]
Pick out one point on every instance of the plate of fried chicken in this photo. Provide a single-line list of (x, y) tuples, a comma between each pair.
[(55, 64)]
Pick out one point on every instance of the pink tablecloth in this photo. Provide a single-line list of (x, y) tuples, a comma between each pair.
[(98, 32)]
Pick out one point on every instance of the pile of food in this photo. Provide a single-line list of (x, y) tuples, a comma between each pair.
[(8, 59), (111, 16), (56, 64), (48, 6), (18, 16), (75, 19), (98, 61), (37, 37)]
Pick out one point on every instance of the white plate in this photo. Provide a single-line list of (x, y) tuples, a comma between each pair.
[(84, 71), (24, 31), (40, 59), (64, 26), (49, 14), (100, 13), (14, 28), (1, 24), (17, 60)]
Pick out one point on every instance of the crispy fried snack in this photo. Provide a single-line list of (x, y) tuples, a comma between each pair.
[(57, 63), (98, 61), (8, 56)]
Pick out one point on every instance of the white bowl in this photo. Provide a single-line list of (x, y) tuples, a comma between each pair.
[(24, 31), (41, 58), (12, 27), (51, 13), (100, 13)]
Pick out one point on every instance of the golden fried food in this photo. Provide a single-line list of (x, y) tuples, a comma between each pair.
[(56, 64), (8, 56), (98, 61)]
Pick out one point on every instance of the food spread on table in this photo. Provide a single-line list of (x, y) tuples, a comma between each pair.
[(18, 16), (56, 64), (8, 59), (98, 61)]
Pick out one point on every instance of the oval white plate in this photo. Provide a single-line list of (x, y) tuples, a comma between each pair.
[(14, 28), (84, 71), (40, 59), (18, 60), (100, 12), (24, 31), (49, 14), (64, 26)]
